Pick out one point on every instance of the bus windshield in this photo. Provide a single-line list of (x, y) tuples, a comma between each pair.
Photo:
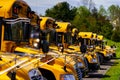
[(16, 30), (67, 38)]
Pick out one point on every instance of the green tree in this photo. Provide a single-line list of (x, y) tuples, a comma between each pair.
[(102, 11), (114, 14), (80, 20), (102, 25), (94, 12), (62, 11), (82, 11), (107, 30), (113, 11), (116, 34)]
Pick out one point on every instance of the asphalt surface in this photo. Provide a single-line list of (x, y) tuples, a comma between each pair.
[(100, 73)]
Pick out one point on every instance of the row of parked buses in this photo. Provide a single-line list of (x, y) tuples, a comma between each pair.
[(40, 48)]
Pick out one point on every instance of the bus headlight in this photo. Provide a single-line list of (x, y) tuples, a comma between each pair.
[(67, 77), (35, 45), (37, 40), (34, 74)]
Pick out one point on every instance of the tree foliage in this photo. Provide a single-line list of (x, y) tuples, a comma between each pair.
[(102, 11), (116, 34), (80, 20), (93, 21), (62, 11), (114, 14)]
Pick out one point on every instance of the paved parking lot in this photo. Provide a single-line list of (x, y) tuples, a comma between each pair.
[(100, 73)]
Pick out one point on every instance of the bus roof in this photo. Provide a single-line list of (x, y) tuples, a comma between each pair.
[(100, 37), (6, 5), (43, 22), (85, 34), (74, 29), (94, 36), (63, 26)]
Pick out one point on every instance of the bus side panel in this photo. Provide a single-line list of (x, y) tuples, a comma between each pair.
[(0, 33)]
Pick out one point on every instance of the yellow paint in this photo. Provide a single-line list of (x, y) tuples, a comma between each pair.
[(63, 26), (85, 34), (100, 37), (43, 22), (6, 8)]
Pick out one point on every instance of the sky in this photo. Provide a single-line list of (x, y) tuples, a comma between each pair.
[(40, 6)]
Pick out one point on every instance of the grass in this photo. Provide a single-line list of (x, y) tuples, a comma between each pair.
[(114, 72)]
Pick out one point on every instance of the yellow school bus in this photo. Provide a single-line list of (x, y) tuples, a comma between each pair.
[(103, 53), (85, 39), (111, 49), (49, 26), (62, 41), (12, 13), (19, 67), (13, 26)]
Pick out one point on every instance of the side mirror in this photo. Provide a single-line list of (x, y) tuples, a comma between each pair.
[(45, 46), (26, 31), (83, 48), (65, 68)]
